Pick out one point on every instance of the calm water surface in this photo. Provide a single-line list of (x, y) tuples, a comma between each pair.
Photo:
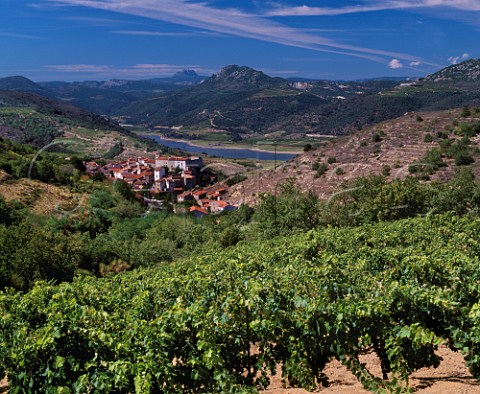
[(227, 153)]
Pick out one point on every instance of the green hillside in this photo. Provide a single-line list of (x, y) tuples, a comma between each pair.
[(242, 100)]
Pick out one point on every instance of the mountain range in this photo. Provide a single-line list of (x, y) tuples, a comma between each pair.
[(244, 101)]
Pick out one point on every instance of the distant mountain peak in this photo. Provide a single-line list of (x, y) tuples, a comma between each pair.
[(186, 73), (19, 83), (238, 72), (234, 75), (17, 80)]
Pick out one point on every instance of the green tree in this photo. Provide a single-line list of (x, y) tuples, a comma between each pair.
[(290, 210)]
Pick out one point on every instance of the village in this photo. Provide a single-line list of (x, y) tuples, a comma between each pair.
[(180, 180)]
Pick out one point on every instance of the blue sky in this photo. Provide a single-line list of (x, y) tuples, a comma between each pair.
[(323, 39)]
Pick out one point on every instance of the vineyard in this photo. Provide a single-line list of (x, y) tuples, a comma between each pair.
[(225, 322)]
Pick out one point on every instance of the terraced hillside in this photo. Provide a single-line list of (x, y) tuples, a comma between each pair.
[(393, 148), (33, 119)]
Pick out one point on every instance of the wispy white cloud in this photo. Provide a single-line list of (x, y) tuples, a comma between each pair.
[(395, 64), (142, 70), (151, 33), (456, 59), (234, 22), (373, 6), (95, 21), (20, 36), (414, 64), (164, 33), (135, 71)]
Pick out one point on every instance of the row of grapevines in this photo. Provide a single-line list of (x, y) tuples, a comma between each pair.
[(224, 322)]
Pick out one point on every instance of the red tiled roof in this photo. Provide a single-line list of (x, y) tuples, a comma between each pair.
[(199, 210)]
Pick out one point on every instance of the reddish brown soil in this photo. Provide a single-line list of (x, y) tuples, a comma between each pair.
[(451, 377)]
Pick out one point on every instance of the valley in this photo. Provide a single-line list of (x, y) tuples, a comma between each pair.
[(327, 242)]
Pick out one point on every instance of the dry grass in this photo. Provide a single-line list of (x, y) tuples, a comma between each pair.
[(41, 198)]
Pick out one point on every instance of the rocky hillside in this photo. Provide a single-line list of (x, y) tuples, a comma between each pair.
[(466, 74), (431, 145)]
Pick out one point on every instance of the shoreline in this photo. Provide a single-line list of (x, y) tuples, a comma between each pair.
[(189, 142)]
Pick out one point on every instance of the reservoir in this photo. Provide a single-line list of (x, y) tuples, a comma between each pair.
[(228, 153)]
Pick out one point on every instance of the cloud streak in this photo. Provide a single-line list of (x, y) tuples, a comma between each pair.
[(149, 33), (20, 36), (135, 71), (374, 6), (234, 22)]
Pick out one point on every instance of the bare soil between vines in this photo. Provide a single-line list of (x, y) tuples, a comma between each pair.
[(451, 377)]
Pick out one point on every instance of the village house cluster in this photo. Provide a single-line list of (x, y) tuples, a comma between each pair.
[(183, 178)]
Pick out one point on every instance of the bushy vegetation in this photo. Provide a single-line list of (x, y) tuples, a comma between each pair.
[(34, 128), (319, 168), (233, 180), (22, 161), (223, 321), (468, 129), (214, 305), (431, 162), (113, 228), (114, 151)]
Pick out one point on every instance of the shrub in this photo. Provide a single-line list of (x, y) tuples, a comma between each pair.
[(465, 112), (386, 170), (233, 180), (419, 118), (428, 138), (376, 137), (445, 144), (468, 130), (320, 168), (431, 162), (462, 158), (331, 160), (434, 158), (307, 147), (442, 134), (339, 171)]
